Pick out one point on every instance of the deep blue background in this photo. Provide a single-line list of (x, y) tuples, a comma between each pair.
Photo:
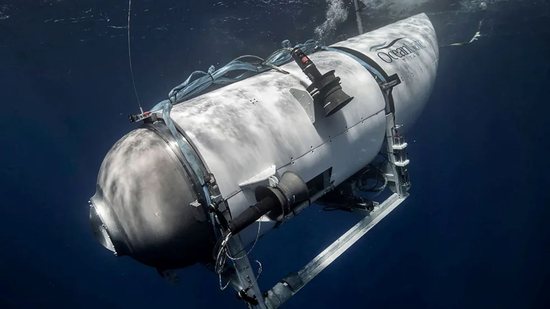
[(474, 232)]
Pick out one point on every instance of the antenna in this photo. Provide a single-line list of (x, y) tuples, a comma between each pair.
[(130, 57)]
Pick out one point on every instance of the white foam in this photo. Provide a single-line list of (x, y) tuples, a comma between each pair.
[(336, 13)]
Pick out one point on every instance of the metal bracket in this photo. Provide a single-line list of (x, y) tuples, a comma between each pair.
[(265, 177), (306, 100), (244, 280), (396, 149), (290, 285)]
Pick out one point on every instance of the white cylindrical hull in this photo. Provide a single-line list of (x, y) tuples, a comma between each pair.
[(245, 128)]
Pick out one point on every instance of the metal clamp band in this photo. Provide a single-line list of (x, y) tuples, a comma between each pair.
[(203, 181)]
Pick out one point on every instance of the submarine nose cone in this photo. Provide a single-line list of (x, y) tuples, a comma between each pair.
[(142, 204)]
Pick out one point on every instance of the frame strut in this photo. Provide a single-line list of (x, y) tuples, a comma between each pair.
[(289, 286), (397, 174)]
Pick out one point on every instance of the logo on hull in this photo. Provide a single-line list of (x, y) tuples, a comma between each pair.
[(407, 48)]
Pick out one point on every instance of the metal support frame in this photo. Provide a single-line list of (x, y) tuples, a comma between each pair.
[(396, 174), (244, 279), (291, 284)]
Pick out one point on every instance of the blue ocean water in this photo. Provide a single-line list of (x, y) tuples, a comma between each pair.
[(474, 232)]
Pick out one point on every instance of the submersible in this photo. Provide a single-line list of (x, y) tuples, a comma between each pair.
[(205, 179)]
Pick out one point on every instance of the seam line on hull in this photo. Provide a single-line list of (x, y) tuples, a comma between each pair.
[(231, 195)]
